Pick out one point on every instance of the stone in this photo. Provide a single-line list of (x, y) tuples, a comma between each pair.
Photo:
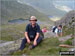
[(64, 45), (9, 47), (73, 42), (49, 34)]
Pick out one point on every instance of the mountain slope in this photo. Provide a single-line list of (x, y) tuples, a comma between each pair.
[(11, 9), (67, 19), (46, 6)]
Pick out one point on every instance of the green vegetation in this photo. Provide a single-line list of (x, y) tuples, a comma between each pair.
[(69, 24), (49, 46), (69, 41), (67, 31), (12, 10), (12, 32)]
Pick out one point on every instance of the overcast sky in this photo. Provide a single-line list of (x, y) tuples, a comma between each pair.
[(65, 5)]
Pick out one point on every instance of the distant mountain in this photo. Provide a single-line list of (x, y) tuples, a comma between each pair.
[(68, 19), (11, 9), (45, 6)]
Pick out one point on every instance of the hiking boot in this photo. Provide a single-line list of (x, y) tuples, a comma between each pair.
[(30, 47)]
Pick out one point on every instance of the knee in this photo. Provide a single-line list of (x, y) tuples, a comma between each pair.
[(40, 38)]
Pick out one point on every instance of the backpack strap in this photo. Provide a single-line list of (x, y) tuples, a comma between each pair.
[(35, 26)]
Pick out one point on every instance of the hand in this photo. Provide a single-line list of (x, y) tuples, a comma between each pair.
[(34, 43), (56, 35), (28, 41)]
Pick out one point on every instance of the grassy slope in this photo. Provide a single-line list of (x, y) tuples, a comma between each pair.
[(12, 32), (67, 31), (49, 46)]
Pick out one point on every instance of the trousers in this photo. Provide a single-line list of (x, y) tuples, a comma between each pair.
[(24, 41)]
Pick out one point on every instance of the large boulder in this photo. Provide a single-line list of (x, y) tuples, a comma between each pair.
[(9, 47), (49, 34)]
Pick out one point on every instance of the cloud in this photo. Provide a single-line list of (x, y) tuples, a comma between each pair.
[(55, 18), (63, 8)]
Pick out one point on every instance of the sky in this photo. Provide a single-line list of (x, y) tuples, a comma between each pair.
[(64, 5)]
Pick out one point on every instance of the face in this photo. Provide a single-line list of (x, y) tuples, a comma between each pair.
[(33, 22), (59, 27), (45, 28)]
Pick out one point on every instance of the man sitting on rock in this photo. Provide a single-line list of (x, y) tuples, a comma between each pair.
[(32, 33)]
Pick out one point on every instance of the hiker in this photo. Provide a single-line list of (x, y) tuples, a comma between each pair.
[(44, 29), (54, 28), (32, 33), (58, 30)]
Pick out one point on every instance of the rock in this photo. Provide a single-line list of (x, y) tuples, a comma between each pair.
[(6, 43), (72, 49), (2, 41), (64, 45), (24, 55), (73, 42), (65, 38), (49, 34), (9, 47)]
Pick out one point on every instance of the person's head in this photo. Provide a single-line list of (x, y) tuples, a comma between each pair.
[(33, 20), (60, 27), (44, 27)]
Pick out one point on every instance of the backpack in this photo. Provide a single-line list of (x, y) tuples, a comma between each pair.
[(41, 33), (54, 28)]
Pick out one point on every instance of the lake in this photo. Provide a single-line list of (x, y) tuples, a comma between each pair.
[(20, 21)]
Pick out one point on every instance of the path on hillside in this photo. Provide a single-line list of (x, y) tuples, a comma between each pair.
[(65, 38)]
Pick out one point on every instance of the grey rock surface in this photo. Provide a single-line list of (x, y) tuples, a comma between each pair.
[(9, 47)]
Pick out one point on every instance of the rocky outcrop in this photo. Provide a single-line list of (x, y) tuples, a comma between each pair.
[(9, 47), (49, 34), (65, 38), (68, 19)]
